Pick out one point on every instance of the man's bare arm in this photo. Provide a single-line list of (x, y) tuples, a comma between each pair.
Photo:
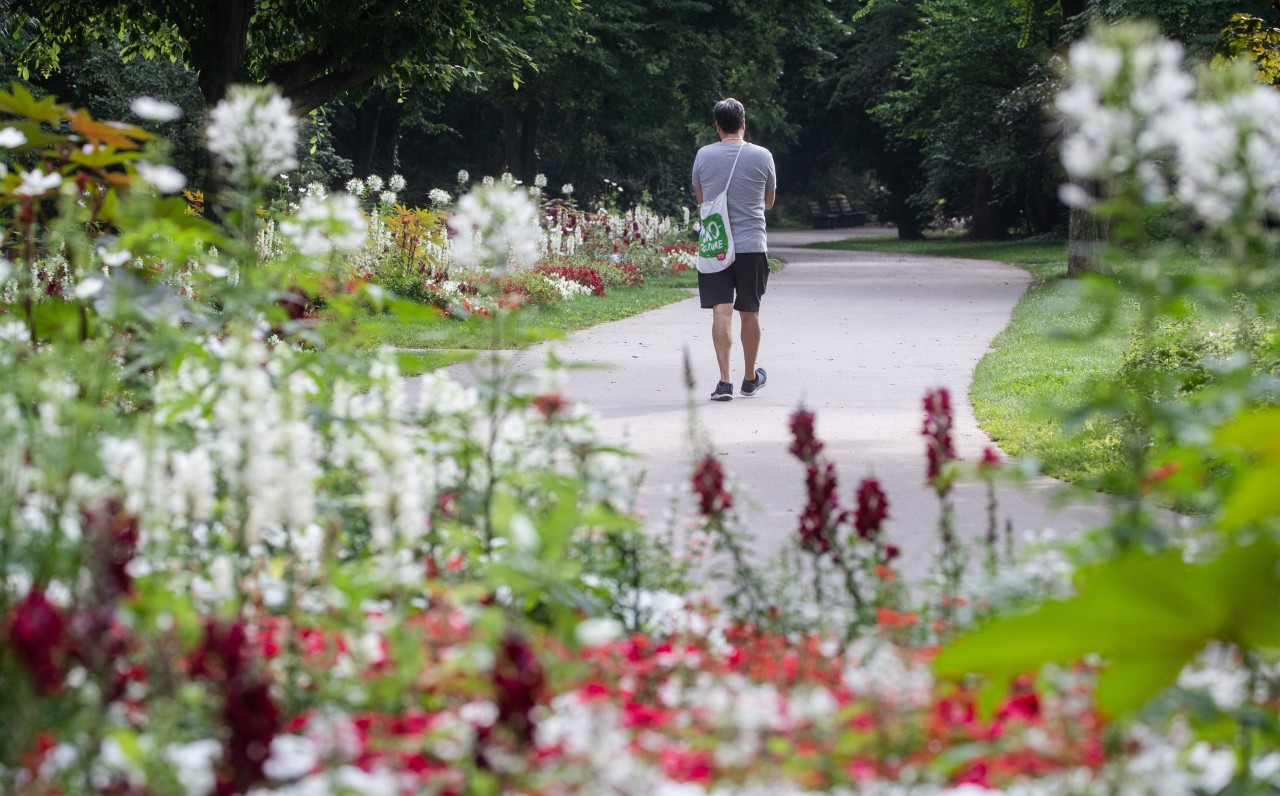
[(769, 196), (697, 193)]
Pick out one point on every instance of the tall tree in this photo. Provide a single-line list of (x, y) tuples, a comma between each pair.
[(974, 85), (314, 50)]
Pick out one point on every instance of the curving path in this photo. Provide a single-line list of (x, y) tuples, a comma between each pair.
[(857, 338)]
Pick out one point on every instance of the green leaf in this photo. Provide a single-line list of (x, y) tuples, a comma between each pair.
[(1146, 615), (21, 102), (1254, 497), (1256, 432), (1128, 682)]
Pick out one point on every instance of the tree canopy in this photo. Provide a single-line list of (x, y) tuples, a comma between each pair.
[(921, 110), (314, 50)]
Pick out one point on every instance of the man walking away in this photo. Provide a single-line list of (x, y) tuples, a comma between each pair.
[(751, 191)]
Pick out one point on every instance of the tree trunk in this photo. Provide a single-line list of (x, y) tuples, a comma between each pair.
[(986, 223), (368, 121), (1084, 237), (1084, 233), (224, 48), (528, 143), (511, 140)]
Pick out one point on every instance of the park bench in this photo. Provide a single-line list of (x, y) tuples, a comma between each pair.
[(838, 206), (822, 219)]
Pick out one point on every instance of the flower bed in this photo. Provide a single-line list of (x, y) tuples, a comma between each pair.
[(236, 560)]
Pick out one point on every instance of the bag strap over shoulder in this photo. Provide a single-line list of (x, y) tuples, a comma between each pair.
[(735, 165)]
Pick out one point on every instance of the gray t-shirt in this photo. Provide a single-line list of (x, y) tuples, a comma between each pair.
[(753, 176)]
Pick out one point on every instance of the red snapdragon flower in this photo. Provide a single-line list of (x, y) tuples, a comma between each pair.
[(114, 535), (937, 430), (37, 633), (822, 510), (248, 710), (518, 684), (708, 485), (872, 509), (806, 446)]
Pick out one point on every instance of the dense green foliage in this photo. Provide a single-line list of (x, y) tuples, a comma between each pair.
[(922, 111)]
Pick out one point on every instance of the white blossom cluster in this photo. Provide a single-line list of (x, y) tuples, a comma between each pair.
[(495, 227), (1134, 115), (567, 287), (325, 225), (253, 134)]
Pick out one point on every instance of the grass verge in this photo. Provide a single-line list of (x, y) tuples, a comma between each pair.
[(426, 341), (1040, 369)]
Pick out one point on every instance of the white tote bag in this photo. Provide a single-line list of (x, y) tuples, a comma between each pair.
[(715, 238)]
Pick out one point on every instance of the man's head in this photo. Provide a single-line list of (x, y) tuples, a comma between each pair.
[(730, 116)]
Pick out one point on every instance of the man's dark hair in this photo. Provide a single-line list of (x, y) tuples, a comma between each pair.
[(730, 115)]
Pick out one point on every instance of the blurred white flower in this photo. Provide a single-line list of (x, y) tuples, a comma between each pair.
[(165, 179), (540, 181), (464, 176), (594, 632), (12, 137), (114, 259), (89, 287), (254, 134), (495, 227), (567, 189), (155, 110), (321, 226), (355, 187), (396, 183), (387, 198), (486, 181), (292, 756), (373, 183), (438, 197), (37, 183)]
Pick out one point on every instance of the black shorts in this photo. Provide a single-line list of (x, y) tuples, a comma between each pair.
[(746, 278)]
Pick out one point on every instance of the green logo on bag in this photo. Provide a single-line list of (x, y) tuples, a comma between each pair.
[(712, 242)]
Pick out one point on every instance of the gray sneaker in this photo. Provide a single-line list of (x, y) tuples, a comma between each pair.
[(750, 388), (724, 391)]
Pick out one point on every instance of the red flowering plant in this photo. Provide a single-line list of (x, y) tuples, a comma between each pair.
[(848, 543), (584, 275)]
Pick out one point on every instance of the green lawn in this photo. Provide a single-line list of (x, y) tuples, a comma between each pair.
[(1038, 369), (425, 342)]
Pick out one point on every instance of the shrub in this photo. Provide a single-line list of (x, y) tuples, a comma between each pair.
[(582, 274), (532, 287)]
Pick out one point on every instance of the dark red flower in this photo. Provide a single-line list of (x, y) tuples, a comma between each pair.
[(990, 460), (249, 712), (937, 430), (821, 512), (708, 485), (872, 509), (518, 683), (806, 446), (37, 633), (113, 534)]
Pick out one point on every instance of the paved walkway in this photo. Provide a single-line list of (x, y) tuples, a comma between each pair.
[(857, 338)]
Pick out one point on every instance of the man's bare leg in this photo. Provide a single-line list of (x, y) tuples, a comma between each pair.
[(750, 342), (721, 336)]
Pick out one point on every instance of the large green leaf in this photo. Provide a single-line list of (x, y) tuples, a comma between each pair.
[(1146, 615)]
